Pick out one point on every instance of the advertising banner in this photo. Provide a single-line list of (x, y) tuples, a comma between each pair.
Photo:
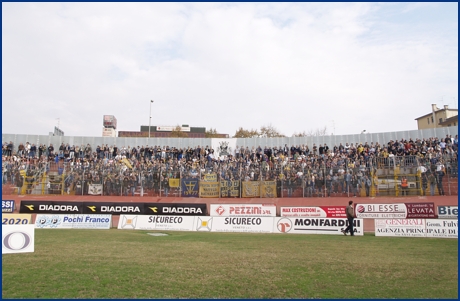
[(242, 210), (448, 212), (16, 219), (400, 227), (175, 209), (189, 187), (268, 189), (420, 210), (112, 208), (52, 207), (18, 239), (7, 206), (73, 221), (321, 211), (397, 210), (229, 189), (250, 189), (156, 222), (332, 226), (445, 228), (209, 189), (234, 224)]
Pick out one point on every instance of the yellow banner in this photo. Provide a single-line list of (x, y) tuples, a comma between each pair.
[(209, 189), (212, 177), (16, 219), (124, 160), (268, 189), (174, 183), (251, 189), (229, 189)]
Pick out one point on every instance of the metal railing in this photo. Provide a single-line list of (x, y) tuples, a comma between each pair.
[(293, 177)]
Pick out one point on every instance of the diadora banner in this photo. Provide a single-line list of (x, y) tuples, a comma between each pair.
[(16, 219), (18, 239), (74, 221), (175, 209), (50, 207), (242, 210), (417, 228), (397, 210), (7, 206), (316, 225), (321, 211), (113, 208), (448, 212)]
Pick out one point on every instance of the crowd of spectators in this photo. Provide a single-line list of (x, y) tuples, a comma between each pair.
[(321, 170)]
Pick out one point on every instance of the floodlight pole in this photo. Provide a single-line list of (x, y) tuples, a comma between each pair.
[(150, 116)]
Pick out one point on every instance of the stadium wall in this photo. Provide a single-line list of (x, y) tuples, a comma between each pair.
[(330, 140)]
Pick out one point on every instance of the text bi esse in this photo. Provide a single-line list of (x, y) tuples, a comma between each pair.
[(384, 208)]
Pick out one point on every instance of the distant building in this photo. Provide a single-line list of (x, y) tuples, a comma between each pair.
[(165, 131), (438, 118), (57, 132), (109, 126)]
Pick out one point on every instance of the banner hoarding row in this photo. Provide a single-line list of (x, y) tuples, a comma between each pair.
[(250, 224)]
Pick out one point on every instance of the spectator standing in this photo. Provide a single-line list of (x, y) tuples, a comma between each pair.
[(404, 185), (432, 181)]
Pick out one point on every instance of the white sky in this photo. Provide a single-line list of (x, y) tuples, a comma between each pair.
[(295, 66)]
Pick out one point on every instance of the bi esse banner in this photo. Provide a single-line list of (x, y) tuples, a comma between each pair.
[(55, 207)]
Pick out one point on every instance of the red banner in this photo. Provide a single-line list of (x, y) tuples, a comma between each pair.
[(420, 210), (321, 211)]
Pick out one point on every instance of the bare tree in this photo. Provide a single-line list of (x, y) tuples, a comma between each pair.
[(242, 133), (177, 133), (310, 133), (270, 131), (211, 133)]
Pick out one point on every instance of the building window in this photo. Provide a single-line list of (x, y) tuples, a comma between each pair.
[(440, 120), (432, 120), (428, 120)]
